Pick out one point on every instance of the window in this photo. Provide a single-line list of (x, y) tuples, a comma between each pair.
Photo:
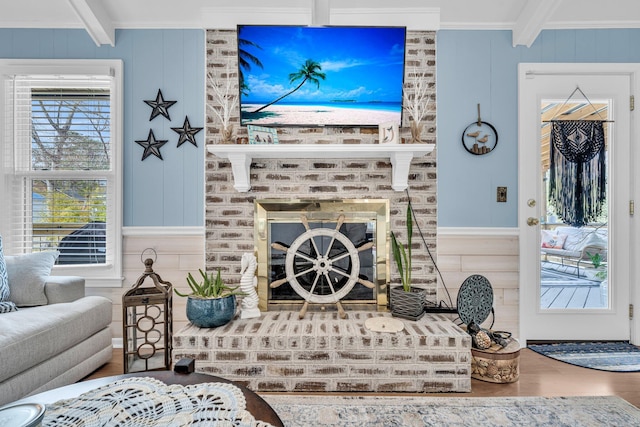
[(62, 164)]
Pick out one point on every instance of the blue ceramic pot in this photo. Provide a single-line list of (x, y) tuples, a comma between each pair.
[(210, 313)]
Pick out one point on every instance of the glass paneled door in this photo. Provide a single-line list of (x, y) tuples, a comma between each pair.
[(573, 207)]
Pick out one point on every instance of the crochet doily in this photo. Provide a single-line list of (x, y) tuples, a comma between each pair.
[(144, 401)]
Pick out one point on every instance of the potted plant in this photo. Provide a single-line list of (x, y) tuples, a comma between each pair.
[(211, 303), (406, 301), (600, 269)]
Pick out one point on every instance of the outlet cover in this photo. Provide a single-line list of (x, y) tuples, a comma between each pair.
[(502, 194)]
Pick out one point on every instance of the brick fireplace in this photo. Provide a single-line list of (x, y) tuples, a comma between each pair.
[(323, 352), (229, 216)]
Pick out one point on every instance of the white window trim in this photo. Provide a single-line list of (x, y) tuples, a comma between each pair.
[(109, 275)]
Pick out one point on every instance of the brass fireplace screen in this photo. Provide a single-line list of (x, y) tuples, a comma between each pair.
[(322, 252)]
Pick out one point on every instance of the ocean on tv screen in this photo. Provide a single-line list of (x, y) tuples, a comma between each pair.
[(323, 114)]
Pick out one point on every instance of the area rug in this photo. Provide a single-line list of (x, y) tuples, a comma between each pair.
[(603, 356), (586, 411)]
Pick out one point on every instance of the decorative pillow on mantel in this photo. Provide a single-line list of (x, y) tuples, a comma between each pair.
[(27, 276), (5, 304)]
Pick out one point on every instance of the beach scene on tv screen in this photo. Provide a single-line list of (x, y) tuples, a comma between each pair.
[(320, 76)]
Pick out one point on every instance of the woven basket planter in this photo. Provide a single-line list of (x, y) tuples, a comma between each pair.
[(407, 305)]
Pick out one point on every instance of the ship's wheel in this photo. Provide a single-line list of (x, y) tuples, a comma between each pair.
[(322, 266)]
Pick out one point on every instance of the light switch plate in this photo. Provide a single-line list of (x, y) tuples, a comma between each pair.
[(502, 194)]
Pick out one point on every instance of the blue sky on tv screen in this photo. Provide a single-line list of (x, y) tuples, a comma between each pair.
[(361, 64)]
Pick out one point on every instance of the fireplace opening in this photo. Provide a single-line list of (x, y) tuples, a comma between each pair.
[(321, 252)]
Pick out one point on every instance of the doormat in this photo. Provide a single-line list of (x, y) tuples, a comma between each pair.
[(603, 356)]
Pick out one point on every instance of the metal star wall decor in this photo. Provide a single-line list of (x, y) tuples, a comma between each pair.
[(160, 106), (151, 145), (187, 133)]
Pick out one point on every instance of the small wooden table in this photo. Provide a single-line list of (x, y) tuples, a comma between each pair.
[(256, 405)]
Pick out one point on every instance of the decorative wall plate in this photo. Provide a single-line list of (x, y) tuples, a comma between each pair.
[(475, 300)]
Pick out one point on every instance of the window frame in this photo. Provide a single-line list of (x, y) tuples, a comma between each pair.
[(96, 275)]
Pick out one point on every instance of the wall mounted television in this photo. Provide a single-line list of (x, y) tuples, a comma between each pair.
[(320, 76)]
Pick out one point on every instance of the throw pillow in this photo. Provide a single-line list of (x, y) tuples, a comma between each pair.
[(27, 275), (5, 305), (552, 240)]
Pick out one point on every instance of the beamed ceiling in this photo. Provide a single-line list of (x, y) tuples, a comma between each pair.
[(524, 18)]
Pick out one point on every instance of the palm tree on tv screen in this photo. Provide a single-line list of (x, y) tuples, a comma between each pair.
[(310, 71), (245, 59)]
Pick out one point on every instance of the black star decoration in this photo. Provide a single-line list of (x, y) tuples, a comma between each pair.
[(151, 145), (187, 133), (160, 106)]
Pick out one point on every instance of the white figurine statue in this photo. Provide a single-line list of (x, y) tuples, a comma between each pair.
[(248, 283)]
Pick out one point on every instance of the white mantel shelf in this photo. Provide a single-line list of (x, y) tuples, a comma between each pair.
[(241, 157)]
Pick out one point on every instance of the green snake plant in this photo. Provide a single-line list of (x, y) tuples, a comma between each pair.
[(402, 254)]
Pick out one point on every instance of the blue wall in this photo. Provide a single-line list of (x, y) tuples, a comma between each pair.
[(167, 192), (472, 67), (481, 67)]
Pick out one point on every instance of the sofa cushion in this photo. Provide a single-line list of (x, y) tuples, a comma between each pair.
[(6, 305), (27, 275), (552, 239), (595, 238), (562, 253), (33, 335)]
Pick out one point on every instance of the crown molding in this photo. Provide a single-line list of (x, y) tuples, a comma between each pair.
[(425, 18), (590, 25)]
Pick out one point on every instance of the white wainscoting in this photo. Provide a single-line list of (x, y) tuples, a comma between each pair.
[(491, 252), (179, 250)]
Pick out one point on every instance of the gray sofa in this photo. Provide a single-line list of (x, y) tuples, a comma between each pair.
[(55, 344)]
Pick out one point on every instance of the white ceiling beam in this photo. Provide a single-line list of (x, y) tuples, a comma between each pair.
[(96, 21), (531, 21), (320, 13)]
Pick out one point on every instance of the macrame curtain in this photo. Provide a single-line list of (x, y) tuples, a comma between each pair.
[(577, 170)]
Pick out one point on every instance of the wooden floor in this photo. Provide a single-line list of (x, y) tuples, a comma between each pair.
[(539, 376)]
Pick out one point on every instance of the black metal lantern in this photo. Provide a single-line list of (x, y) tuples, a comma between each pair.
[(147, 324)]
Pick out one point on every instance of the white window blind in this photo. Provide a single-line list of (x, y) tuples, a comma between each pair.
[(64, 178)]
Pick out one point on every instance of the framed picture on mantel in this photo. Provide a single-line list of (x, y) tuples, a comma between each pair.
[(388, 133), (262, 135)]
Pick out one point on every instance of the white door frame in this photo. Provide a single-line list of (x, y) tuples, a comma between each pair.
[(524, 193)]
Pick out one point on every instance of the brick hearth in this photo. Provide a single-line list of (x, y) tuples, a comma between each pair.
[(279, 352)]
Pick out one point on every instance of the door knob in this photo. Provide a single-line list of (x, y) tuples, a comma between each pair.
[(531, 221)]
